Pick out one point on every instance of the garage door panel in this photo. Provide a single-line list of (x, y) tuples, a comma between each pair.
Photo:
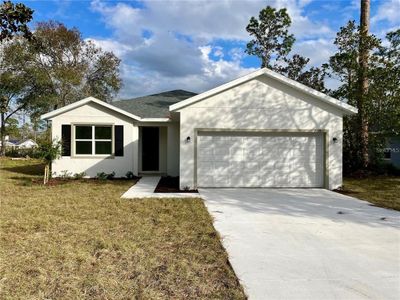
[(252, 153), (260, 161), (221, 168)]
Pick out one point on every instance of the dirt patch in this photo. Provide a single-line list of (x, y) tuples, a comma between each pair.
[(170, 184)]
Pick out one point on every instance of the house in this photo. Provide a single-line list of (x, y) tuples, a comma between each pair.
[(26, 144), (260, 130), (9, 143), (391, 153), (19, 144)]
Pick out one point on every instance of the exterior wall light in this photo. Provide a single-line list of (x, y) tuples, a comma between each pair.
[(335, 140), (188, 139)]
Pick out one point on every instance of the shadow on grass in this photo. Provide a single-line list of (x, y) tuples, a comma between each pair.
[(36, 169)]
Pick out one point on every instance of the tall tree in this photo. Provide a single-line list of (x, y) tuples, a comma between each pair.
[(296, 68), (384, 89), (272, 43), (381, 105), (271, 38), (70, 67), (14, 19), (19, 88), (363, 80)]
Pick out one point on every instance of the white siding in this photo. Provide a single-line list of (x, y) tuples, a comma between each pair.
[(261, 104), (95, 114)]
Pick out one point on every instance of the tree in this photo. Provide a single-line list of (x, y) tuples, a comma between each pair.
[(296, 68), (363, 80), (19, 85), (12, 128), (272, 43), (381, 105), (384, 94), (271, 38), (49, 151), (14, 19), (70, 67), (385, 88)]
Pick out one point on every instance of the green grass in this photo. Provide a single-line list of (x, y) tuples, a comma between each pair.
[(79, 240), (383, 191)]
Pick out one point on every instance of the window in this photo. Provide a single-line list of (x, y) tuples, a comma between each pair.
[(387, 154), (93, 140)]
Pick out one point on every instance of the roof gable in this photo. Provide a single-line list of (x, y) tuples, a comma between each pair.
[(344, 107), (82, 102)]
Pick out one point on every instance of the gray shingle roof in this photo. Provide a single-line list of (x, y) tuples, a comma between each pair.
[(153, 106)]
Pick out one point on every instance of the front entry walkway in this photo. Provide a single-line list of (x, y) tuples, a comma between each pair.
[(145, 187), (308, 243)]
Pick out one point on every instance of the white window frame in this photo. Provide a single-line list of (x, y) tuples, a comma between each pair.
[(93, 140)]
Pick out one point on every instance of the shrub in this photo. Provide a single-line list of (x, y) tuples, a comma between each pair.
[(105, 176), (64, 174), (79, 175), (101, 176), (23, 152), (129, 175)]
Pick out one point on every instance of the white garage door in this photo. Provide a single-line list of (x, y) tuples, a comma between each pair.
[(269, 160)]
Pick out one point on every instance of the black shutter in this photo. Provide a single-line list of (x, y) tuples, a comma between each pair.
[(119, 140), (66, 140)]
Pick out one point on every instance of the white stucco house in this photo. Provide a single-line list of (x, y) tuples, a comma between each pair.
[(260, 130)]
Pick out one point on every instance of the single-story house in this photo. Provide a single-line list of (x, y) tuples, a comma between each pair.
[(19, 144), (26, 144), (260, 130)]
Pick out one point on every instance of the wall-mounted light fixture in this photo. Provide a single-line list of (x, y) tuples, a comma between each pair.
[(335, 140), (188, 139)]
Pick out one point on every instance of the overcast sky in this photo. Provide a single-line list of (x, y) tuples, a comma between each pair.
[(197, 45)]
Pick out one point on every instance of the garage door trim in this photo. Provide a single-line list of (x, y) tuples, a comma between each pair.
[(325, 142)]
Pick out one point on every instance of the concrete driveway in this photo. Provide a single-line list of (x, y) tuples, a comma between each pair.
[(308, 243)]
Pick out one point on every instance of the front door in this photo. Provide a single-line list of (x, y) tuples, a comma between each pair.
[(150, 148)]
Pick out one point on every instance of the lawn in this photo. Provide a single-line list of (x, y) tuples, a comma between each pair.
[(78, 239), (383, 191)]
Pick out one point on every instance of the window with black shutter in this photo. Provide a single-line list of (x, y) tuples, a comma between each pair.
[(66, 140), (119, 140)]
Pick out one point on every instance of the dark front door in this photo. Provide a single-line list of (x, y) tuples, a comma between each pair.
[(150, 148)]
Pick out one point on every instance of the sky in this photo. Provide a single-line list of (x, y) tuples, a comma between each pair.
[(197, 45)]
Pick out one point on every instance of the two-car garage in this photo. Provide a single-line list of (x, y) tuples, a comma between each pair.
[(261, 130), (260, 159)]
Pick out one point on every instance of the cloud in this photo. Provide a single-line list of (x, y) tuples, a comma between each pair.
[(174, 44), (388, 11), (318, 50)]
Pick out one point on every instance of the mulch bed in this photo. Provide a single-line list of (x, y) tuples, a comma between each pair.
[(59, 181), (170, 184)]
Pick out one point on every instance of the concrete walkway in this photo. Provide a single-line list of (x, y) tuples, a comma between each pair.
[(145, 187), (308, 243)]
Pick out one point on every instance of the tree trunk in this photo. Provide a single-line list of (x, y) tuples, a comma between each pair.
[(363, 81), (3, 136)]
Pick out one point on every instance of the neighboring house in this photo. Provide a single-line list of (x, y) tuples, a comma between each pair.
[(10, 143), (261, 130), (26, 144), (392, 152), (19, 144)]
